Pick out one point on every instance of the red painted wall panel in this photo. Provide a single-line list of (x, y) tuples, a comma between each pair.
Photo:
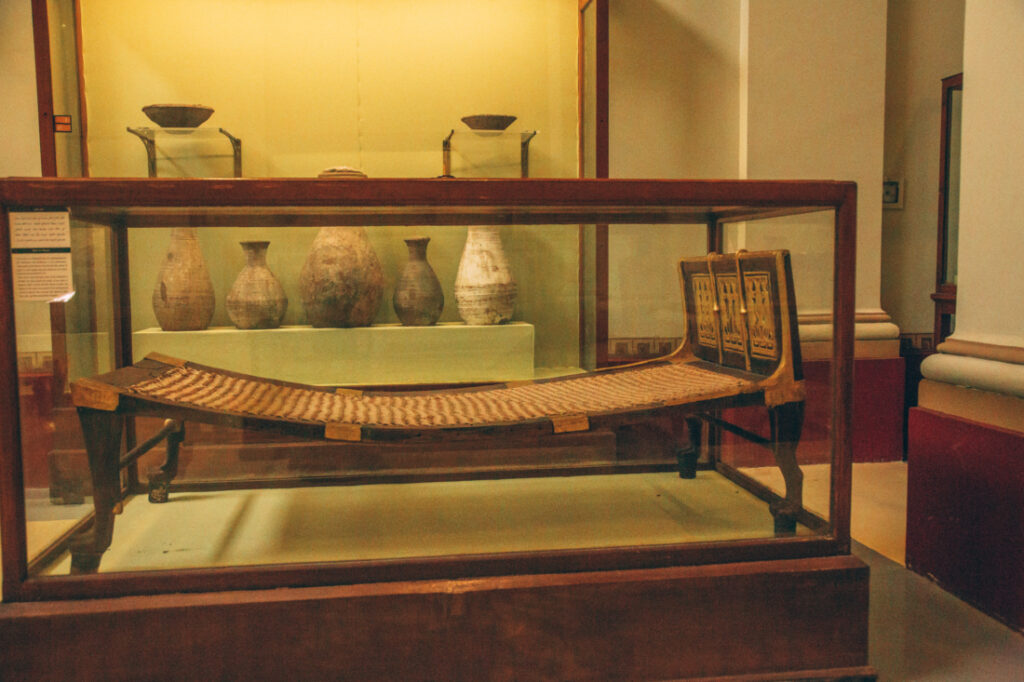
[(878, 393), (965, 510)]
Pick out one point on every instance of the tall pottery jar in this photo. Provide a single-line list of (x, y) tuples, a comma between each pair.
[(257, 299), (341, 282), (183, 296), (484, 289), (418, 298)]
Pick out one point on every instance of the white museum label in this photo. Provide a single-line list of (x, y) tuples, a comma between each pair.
[(41, 254)]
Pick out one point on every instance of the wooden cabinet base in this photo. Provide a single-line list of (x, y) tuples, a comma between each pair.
[(793, 619)]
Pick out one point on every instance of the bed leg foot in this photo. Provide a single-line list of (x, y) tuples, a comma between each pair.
[(85, 563), (785, 525), (161, 477), (103, 432), (688, 457), (159, 488), (784, 517), (786, 426)]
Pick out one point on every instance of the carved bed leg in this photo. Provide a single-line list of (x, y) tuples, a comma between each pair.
[(687, 457), (102, 431), (786, 425), (161, 477)]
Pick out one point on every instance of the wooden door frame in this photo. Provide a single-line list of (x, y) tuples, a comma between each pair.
[(44, 88), (945, 292)]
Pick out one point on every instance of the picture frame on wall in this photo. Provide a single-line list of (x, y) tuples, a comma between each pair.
[(892, 193)]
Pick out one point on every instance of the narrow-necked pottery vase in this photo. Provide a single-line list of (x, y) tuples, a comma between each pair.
[(257, 299), (183, 295), (418, 298)]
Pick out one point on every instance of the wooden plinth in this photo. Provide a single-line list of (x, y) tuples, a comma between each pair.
[(791, 619)]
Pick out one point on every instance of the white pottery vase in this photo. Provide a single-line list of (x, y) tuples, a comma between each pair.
[(484, 289), (183, 295), (257, 299)]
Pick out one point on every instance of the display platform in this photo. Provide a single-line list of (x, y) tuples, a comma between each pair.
[(381, 354), (796, 619), (388, 521)]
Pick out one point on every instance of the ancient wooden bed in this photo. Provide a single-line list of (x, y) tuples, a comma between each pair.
[(741, 347)]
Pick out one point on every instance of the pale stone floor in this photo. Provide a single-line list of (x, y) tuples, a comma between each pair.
[(917, 631), (878, 512)]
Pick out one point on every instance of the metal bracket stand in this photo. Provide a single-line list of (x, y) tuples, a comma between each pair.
[(524, 153), (148, 137)]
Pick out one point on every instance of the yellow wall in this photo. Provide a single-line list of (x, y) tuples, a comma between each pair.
[(925, 44), (370, 84), (374, 84), (814, 109), (758, 89), (673, 113), (19, 115)]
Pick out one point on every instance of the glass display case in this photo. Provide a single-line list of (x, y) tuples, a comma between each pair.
[(152, 448)]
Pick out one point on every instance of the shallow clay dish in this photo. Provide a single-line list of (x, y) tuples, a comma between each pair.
[(488, 121), (177, 115), (341, 172)]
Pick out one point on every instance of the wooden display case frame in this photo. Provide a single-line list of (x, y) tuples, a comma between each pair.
[(130, 204)]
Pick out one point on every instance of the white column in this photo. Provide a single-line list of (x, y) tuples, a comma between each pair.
[(990, 287), (979, 373), (815, 102)]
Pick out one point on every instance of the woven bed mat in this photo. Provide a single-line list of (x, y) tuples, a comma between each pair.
[(602, 392)]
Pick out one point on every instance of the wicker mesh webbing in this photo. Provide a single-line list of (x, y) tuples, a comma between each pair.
[(636, 389)]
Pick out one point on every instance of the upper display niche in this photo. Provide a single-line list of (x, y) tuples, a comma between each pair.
[(375, 85)]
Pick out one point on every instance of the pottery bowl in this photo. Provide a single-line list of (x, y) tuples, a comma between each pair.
[(177, 115), (488, 121)]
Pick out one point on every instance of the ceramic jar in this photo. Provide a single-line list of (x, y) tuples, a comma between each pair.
[(484, 289), (257, 299), (418, 297), (183, 296), (341, 282)]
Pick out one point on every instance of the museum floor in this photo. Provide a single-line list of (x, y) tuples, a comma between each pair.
[(918, 631)]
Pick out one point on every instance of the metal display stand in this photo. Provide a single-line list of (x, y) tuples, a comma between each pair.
[(148, 137)]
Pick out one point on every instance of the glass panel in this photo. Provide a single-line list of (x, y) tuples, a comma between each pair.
[(644, 317), (242, 496), (61, 340), (544, 262), (809, 239), (588, 255), (372, 85)]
